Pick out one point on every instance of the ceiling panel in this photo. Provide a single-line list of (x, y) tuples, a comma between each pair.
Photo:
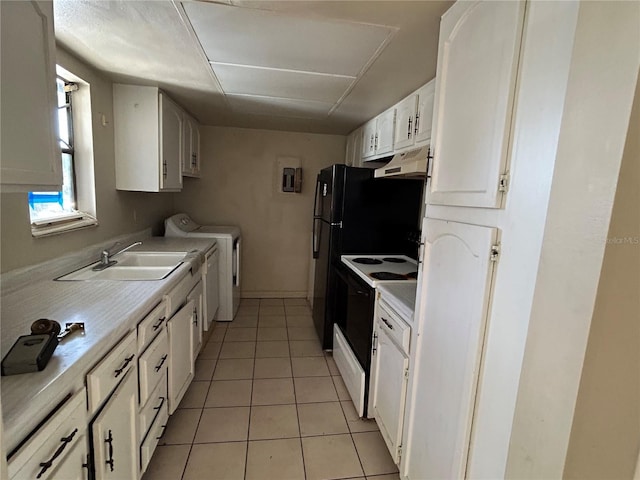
[(281, 83), (143, 40), (271, 39), (283, 107)]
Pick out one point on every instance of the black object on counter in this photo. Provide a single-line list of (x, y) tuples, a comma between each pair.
[(30, 353)]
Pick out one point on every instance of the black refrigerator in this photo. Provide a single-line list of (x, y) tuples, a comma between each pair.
[(355, 213)]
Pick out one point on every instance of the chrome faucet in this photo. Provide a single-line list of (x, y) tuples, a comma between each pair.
[(105, 256)]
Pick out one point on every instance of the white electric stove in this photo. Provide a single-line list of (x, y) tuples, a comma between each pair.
[(379, 269), (358, 279)]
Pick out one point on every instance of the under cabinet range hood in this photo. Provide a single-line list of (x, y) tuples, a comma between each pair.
[(413, 163)]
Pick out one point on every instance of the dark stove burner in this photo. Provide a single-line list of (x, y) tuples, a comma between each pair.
[(412, 275), (387, 276), (394, 260), (367, 261)]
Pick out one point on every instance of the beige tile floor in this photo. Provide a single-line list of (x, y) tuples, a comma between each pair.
[(267, 404)]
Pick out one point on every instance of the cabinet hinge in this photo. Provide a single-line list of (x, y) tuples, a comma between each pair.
[(406, 373), (399, 453), (503, 185), (495, 253), (374, 344)]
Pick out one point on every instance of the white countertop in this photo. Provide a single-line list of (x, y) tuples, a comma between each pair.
[(109, 310), (401, 297)]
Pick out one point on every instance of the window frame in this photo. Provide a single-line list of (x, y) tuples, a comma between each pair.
[(76, 217)]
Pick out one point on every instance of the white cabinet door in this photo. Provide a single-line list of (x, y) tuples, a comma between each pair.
[(171, 141), (475, 85), (390, 391), (30, 152), (405, 122), (353, 156), (212, 289), (369, 139), (454, 304), (349, 151), (190, 147), (180, 354), (115, 433), (196, 295), (385, 129), (424, 114)]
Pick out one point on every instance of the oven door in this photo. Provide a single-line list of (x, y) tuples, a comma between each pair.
[(356, 318)]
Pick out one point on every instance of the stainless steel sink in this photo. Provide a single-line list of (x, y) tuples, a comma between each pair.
[(131, 266)]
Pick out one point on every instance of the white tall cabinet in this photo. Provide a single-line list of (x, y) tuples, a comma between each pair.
[(479, 46), (30, 152)]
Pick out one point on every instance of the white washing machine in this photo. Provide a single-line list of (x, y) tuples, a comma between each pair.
[(228, 240)]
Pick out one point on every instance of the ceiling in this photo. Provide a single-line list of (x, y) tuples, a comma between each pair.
[(308, 66)]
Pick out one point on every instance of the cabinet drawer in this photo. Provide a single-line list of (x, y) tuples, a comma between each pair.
[(112, 368), (395, 328), (152, 365), (151, 326), (66, 432), (151, 441), (157, 399)]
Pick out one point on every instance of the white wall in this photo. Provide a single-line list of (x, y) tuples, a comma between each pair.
[(605, 435), (597, 107), (238, 187), (115, 210)]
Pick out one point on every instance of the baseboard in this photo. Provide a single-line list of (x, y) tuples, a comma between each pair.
[(272, 294)]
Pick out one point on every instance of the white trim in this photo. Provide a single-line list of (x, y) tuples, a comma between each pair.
[(62, 224)]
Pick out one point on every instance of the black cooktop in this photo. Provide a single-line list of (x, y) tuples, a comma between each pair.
[(394, 260), (388, 276), (367, 261)]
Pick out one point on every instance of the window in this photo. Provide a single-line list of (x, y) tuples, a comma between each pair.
[(56, 212)]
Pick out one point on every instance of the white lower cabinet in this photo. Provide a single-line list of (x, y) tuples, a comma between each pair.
[(181, 364), (196, 295), (114, 433), (59, 450), (390, 367)]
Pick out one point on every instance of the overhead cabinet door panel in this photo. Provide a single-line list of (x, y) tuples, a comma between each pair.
[(475, 85)]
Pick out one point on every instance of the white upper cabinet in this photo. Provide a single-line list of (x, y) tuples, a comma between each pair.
[(405, 122), (30, 152), (378, 135), (353, 156), (191, 147), (369, 139), (424, 113), (475, 85), (457, 279), (413, 118), (148, 139), (385, 127), (171, 151)]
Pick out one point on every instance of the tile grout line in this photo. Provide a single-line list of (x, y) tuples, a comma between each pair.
[(295, 397), (184, 469)]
